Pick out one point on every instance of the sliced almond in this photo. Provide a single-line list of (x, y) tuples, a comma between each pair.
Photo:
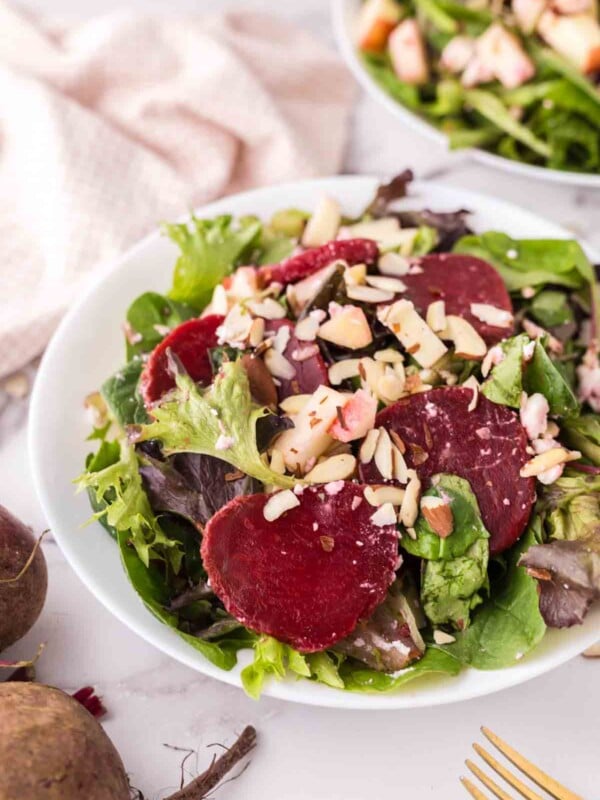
[(545, 461), (386, 282), (306, 330), (413, 332), (279, 503), (266, 308), (335, 468), (389, 356), (473, 384), (342, 370), (278, 365), (370, 372), (436, 316), (367, 294), (492, 315), (355, 276), (257, 332), (399, 467), (378, 495), (385, 515), (393, 264), (467, 342), (236, 325), (294, 403), (409, 510), (367, 448), (383, 454), (323, 225), (438, 514)]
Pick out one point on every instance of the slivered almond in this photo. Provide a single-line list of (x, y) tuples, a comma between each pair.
[(436, 315), (393, 264), (257, 332), (438, 514), (386, 282), (385, 515), (473, 384), (389, 356), (544, 461), (367, 448), (306, 329), (368, 294), (342, 370), (390, 387), (378, 495), (294, 403), (492, 315), (278, 365), (383, 454), (409, 510), (467, 342), (399, 468), (266, 308), (355, 276), (413, 332), (279, 503), (334, 468)]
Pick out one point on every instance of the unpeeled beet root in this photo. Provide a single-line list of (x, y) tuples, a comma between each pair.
[(21, 600), (307, 577), (51, 748)]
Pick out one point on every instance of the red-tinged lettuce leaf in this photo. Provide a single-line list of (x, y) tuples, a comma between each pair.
[(388, 193), (568, 574)]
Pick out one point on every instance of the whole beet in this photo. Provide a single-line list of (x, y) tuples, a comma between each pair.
[(51, 748), (21, 600)]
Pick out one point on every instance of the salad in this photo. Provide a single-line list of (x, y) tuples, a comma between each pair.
[(519, 79), (365, 448)]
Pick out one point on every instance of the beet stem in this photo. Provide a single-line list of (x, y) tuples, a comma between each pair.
[(219, 767)]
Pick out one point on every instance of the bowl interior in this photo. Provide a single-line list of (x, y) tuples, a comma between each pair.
[(88, 346)]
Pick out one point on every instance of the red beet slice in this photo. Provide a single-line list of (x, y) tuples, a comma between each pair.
[(309, 576), (190, 341), (459, 281), (354, 251), (311, 372), (486, 446)]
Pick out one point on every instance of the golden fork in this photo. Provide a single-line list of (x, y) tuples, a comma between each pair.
[(544, 781)]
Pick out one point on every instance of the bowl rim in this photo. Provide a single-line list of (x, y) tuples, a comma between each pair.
[(167, 641), (341, 10)]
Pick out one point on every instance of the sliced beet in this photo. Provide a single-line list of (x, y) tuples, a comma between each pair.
[(486, 446), (354, 251), (311, 371), (190, 341), (459, 281), (309, 576)]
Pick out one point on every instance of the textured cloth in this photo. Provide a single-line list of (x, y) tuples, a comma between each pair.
[(110, 126)]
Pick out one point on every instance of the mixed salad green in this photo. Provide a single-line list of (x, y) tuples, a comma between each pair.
[(210, 465), (517, 78)]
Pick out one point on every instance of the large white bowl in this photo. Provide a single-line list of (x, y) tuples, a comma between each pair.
[(88, 346), (344, 16)]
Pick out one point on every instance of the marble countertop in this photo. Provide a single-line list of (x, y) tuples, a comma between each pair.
[(303, 752)]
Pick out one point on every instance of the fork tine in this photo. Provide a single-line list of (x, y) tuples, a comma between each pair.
[(473, 790), (487, 781), (543, 780), (524, 790)]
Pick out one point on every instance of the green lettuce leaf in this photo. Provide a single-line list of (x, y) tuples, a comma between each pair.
[(531, 262), (324, 668), (148, 317), (551, 308), (583, 434), (504, 384), (272, 659), (121, 395), (210, 250), (468, 526), (359, 679), (509, 624), (189, 421), (570, 507)]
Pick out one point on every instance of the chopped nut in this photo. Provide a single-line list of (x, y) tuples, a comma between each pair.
[(378, 495), (438, 514), (492, 315), (266, 308), (393, 264), (467, 342), (279, 503), (441, 637), (278, 365), (306, 330), (386, 283), (368, 294), (473, 384), (545, 461), (385, 515), (399, 467), (334, 468), (367, 448), (409, 510), (383, 454), (389, 356), (342, 370), (348, 327), (257, 332), (390, 387), (327, 543), (436, 316)]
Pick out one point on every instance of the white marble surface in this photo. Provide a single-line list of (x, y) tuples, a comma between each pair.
[(303, 752)]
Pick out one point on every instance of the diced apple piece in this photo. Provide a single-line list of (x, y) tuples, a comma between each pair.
[(323, 225), (377, 229), (501, 51), (309, 438), (377, 20), (476, 73), (576, 37), (348, 327), (407, 52), (457, 54), (528, 13), (573, 6), (356, 418), (413, 332)]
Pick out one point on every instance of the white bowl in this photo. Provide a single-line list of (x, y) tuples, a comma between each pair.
[(344, 15), (88, 346)]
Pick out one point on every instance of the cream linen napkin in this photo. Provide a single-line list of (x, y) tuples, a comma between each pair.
[(113, 125)]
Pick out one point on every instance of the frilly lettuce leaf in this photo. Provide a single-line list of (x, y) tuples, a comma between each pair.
[(583, 434), (189, 421), (570, 507), (210, 250), (359, 679), (271, 659)]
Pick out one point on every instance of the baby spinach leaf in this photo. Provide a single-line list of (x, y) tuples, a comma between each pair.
[(148, 317), (509, 624), (550, 308), (542, 376), (120, 392), (210, 250), (359, 679), (468, 526), (220, 422), (505, 382)]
